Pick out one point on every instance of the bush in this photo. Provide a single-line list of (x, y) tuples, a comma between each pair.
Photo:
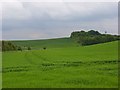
[(44, 48), (19, 48), (29, 48)]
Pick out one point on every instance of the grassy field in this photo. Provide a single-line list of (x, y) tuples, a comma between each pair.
[(92, 66), (49, 43)]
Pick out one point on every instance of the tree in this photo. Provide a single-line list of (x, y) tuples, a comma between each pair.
[(92, 37), (19, 48), (29, 48), (92, 32), (44, 48), (8, 46)]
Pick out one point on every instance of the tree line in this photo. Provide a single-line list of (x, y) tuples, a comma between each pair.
[(9, 46), (92, 37)]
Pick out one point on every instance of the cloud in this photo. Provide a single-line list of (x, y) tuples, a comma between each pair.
[(14, 10), (58, 11), (31, 20)]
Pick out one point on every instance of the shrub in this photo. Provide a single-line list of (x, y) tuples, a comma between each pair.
[(44, 48), (29, 48)]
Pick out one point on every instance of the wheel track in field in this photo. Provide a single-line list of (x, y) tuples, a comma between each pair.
[(45, 64), (31, 61), (28, 59), (45, 60), (40, 57)]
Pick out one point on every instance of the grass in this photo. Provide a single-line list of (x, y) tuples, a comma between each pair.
[(49, 43), (92, 66)]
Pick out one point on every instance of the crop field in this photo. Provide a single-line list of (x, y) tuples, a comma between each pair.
[(94, 66), (49, 43)]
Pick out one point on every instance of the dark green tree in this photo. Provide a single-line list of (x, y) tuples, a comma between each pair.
[(92, 37), (29, 48)]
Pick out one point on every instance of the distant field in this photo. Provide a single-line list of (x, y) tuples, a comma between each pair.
[(49, 43), (70, 66)]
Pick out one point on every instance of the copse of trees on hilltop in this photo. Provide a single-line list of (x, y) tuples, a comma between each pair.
[(92, 37)]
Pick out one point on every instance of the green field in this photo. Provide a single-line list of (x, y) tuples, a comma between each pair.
[(61, 65), (49, 43)]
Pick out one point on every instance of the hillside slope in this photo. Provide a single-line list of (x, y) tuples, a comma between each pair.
[(49, 43)]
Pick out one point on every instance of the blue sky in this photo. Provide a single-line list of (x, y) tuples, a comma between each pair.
[(43, 20)]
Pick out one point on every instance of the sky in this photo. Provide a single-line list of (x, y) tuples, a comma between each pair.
[(44, 20)]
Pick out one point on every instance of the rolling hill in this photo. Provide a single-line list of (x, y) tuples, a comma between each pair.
[(48, 43), (64, 64), (94, 66)]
